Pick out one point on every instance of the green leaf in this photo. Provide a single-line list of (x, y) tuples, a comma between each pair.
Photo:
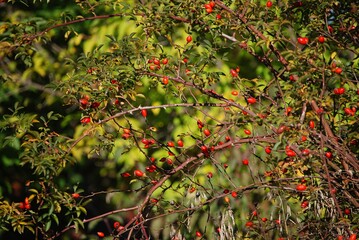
[(55, 218), (48, 226)]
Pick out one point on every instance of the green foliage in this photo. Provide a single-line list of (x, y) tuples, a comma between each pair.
[(101, 96)]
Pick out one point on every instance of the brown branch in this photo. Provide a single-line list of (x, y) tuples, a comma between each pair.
[(131, 111), (187, 162), (181, 19), (207, 92), (329, 179), (95, 218), (324, 122), (33, 36), (331, 138), (255, 31), (241, 189)]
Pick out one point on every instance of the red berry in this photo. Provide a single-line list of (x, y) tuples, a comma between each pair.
[(156, 62), (207, 5), (95, 105), (321, 39), (305, 152), (209, 10), (169, 161), (268, 150), (234, 73), (125, 175), (245, 161), (311, 124), (247, 132), (269, 4), (198, 234), (151, 168), (290, 153), (204, 149), (180, 143), (145, 141), (85, 120), (339, 91), (349, 111), (200, 124), (264, 219), (212, 4), (154, 200), (84, 101), (138, 173), (21, 205), (165, 80), (320, 111), (304, 204), (209, 175), (234, 92), (338, 70), (144, 113), (353, 237), (328, 154), (303, 40), (293, 78), (234, 194), (189, 39), (170, 144), (116, 225), (251, 100), (100, 234), (347, 211), (249, 224), (207, 132), (288, 110), (75, 195), (301, 187), (164, 61), (218, 16)]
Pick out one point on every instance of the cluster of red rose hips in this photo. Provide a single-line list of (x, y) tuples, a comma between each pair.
[(25, 205), (336, 69), (117, 228), (209, 9), (155, 63), (234, 72), (209, 6), (87, 104)]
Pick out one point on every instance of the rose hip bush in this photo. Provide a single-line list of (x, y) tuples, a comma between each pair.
[(179, 119)]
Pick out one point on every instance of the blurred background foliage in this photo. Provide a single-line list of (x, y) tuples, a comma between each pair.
[(44, 75)]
